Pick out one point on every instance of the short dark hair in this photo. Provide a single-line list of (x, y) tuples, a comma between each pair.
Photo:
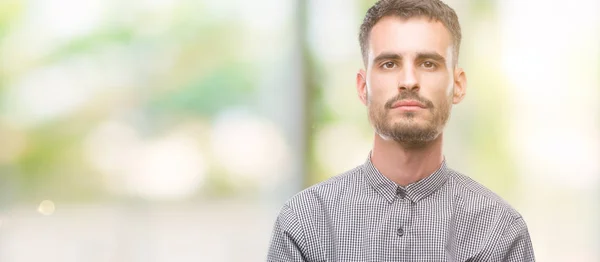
[(433, 9)]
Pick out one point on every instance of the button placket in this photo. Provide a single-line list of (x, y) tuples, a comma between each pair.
[(404, 211)]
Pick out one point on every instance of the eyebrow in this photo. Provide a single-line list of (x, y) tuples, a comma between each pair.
[(431, 55), (420, 56)]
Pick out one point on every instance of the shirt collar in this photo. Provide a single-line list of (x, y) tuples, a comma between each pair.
[(389, 190)]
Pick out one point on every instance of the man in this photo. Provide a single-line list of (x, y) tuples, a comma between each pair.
[(404, 203)]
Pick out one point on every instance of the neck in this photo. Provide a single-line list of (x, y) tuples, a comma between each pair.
[(406, 164)]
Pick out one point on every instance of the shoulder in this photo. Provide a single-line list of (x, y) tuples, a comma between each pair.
[(477, 198), (328, 191), (484, 220)]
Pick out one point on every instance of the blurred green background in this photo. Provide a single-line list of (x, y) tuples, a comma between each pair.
[(159, 130)]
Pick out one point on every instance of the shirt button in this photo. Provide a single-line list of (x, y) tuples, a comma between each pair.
[(400, 192), (400, 231)]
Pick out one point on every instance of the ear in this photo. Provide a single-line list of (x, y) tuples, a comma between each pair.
[(361, 86), (460, 85)]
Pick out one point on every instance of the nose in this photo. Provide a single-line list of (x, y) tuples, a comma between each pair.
[(408, 78)]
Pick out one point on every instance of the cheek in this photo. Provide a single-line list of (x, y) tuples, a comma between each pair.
[(450, 85), (438, 91), (381, 87), (438, 83), (442, 101)]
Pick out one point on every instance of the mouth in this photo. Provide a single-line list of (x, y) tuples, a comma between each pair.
[(409, 105)]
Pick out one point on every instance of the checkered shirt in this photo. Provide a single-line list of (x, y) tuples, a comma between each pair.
[(362, 216)]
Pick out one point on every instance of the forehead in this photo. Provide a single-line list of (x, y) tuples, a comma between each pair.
[(405, 36)]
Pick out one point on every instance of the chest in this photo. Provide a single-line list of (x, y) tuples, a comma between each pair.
[(397, 231)]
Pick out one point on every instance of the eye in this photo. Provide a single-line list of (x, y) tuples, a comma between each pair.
[(428, 65), (388, 65)]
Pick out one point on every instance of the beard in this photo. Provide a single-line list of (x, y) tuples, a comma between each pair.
[(408, 130)]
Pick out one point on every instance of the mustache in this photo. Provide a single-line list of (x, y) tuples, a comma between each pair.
[(408, 95)]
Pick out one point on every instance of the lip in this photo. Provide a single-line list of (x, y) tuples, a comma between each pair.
[(408, 105)]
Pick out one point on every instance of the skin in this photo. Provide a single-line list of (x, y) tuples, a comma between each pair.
[(409, 60)]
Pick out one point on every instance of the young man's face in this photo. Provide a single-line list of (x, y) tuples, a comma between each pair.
[(410, 81)]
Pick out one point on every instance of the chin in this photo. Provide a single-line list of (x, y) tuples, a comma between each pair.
[(411, 122)]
